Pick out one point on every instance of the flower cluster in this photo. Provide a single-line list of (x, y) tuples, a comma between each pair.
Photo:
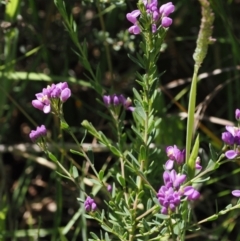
[(232, 138), (173, 190), (117, 100), (50, 99), (41, 131), (157, 16), (170, 194), (47, 98), (90, 205)]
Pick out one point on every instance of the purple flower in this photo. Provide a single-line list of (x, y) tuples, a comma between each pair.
[(90, 205), (228, 138), (236, 193), (175, 154), (169, 195), (155, 16), (41, 131), (45, 98), (172, 179), (117, 100), (132, 17), (42, 103), (166, 9), (166, 22), (61, 91), (107, 100), (65, 94), (237, 114), (168, 198), (191, 193), (127, 103), (134, 29)]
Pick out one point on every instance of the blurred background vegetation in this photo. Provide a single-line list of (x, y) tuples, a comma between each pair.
[(36, 50)]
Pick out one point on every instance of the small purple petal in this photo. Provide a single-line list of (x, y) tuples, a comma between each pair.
[(39, 132), (228, 138), (237, 114), (231, 129), (197, 164), (109, 187), (169, 164), (94, 207), (166, 177), (55, 93), (65, 94), (107, 100), (236, 193), (231, 154), (166, 9), (155, 16), (164, 210), (131, 108), (116, 100), (166, 22), (46, 109), (191, 193), (179, 179), (132, 17), (38, 104), (62, 86), (134, 30)]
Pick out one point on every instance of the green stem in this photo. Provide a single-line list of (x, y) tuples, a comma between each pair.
[(171, 228), (117, 122)]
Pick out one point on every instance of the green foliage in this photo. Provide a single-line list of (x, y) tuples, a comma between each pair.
[(86, 44)]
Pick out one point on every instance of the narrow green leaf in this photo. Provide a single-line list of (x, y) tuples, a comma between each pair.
[(142, 152), (213, 217), (121, 180), (137, 95), (94, 236), (75, 172), (106, 228), (91, 129), (100, 175), (107, 237), (52, 157), (115, 151), (162, 216), (95, 181), (201, 180), (136, 61), (76, 152)]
